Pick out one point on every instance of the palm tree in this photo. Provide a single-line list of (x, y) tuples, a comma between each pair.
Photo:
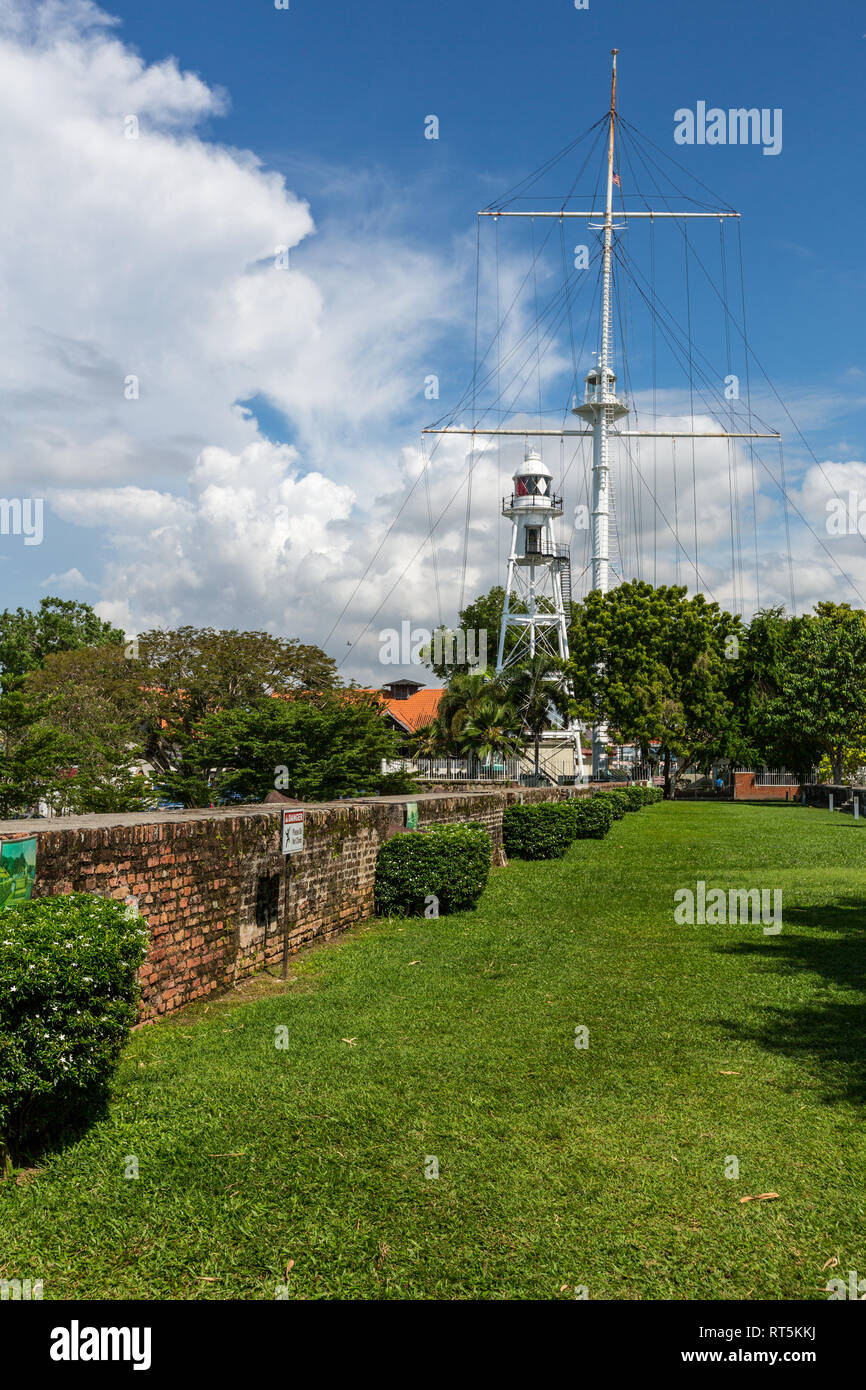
[(537, 689), (462, 695), (491, 726)]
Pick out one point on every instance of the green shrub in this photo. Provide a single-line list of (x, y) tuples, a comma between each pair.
[(591, 817), (448, 862), (541, 831), (68, 993), (649, 795), (635, 797), (643, 796), (618, 801)]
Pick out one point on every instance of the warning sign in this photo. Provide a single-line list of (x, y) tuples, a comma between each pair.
[(293, 831)]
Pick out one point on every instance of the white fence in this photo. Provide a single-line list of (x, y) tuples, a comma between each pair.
[(460, 769), (773, 777)]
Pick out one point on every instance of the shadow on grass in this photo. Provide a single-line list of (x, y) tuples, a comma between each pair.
[(829, 1034), (51, 1125)]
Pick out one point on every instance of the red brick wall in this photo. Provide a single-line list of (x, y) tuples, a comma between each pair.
[(196, 876), (745, 790)]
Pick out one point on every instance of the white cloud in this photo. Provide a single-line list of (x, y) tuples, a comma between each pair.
[(72, 578), (154, 258)]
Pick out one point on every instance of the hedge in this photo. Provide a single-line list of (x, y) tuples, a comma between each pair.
[(591, 817), (542, 831), (450, 863), (643, 796), (618, 801), (68, 994), (634, 796)]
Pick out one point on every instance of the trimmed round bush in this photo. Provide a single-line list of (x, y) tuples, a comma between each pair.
[(591, 817), (450, 863), (635, 797), (541, 831), (68, 995), (648, 795), (618, 801)]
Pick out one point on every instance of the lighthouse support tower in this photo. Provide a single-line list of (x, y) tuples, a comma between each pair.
[(534, 599), (537, 606)]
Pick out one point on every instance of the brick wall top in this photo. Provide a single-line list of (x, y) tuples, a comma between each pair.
[(55, 825)]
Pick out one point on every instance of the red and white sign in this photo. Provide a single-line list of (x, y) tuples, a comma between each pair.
[(293, 831)]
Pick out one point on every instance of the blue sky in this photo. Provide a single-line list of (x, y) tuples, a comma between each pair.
[(166, 512), (348, 86)]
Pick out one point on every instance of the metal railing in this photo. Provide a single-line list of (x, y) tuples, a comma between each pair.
[(460, 769), (772, 777), (548, 502)]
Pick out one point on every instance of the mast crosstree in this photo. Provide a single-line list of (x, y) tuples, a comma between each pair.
[(601, 408)]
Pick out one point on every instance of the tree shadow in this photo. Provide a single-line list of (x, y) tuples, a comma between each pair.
[(829, 1034)]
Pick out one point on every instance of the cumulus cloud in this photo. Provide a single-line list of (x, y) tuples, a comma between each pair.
[(152, 283), (153, 278)]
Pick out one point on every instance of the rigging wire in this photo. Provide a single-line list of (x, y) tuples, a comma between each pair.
[(468, 520), (691, 395), (787, 528), (676, 511), (733, 483), (553, 316), (749, 410), (499, 398), (655, 416), (537, 338), (433, 554)]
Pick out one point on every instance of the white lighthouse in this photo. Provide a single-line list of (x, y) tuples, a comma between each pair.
[(538, 582)]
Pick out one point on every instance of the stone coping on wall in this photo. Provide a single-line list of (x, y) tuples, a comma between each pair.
[(42, 825)]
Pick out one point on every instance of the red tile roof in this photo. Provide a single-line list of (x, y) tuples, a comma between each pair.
[(418, 710)]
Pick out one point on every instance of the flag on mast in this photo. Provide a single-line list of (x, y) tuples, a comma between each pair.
[(617, 181)]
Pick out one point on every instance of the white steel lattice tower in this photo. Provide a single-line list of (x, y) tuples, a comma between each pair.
[(538, 583)]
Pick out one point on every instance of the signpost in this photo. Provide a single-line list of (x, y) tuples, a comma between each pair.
[(293, 843), (293, 832)]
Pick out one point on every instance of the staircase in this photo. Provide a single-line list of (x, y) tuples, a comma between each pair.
[(563, 564)]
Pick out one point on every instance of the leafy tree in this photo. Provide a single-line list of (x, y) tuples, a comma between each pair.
[(312, 749), (31, 752), (757, 674), (651, 663), (97, 698), (823, 690), (58, 625), (199, 671)]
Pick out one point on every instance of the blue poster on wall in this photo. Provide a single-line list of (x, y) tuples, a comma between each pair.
[(17, 871)]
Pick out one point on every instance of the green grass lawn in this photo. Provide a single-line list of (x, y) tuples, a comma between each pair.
[(559, 1167)]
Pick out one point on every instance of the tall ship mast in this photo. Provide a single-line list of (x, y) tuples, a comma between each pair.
[(538, 580)]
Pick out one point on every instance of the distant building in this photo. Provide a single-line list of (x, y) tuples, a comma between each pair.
[(410, 706)]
